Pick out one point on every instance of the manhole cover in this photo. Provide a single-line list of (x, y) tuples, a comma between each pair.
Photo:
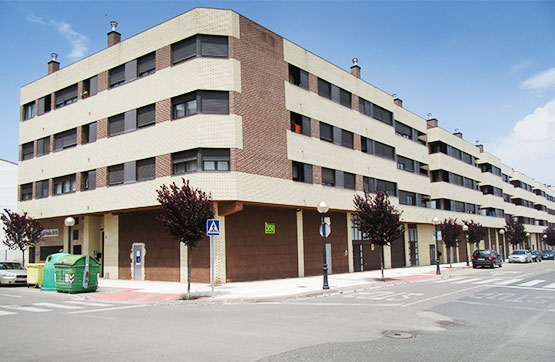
[(398, 334), (450, 323)]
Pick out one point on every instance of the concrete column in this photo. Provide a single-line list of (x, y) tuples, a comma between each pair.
[(386, 257), (91, 235), (111, 246), (300, 244), (350, 242)]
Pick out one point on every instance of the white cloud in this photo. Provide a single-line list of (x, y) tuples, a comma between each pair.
[(530, 148), (77, 41), (543, 80), (523, 64)]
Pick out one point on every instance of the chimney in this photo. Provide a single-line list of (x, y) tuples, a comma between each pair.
[(432, 122), (53, 65), (458, 133), (355, 69), (481, 148), (398, 101), (113, 37)]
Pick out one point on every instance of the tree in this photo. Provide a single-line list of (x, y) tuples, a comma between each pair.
[(184, 214), (21, 231), (515, 232), (378, 220), (475, 233), (451, 233), (550, 233)]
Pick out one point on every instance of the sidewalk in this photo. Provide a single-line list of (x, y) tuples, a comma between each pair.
[(134, 291)]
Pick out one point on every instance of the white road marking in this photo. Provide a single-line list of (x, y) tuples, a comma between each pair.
[(486, 281), (508, 281), (6, 313), (89, 304), (531, 283), (11, 295), (467, 281), (59, 306), (448, 280), (342, 304), (550, 286), (107, 309), (26, 308), (440, 296)]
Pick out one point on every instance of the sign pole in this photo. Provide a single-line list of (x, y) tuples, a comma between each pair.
[(212, 229), (212, 262)]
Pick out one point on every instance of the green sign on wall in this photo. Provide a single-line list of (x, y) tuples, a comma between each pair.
[(269, 228)]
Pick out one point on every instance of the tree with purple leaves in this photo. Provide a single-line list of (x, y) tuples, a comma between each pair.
[(21, 231), (378, 220), (476, 232), (550, 233), (515, 232), (184, 214), (451, 233)]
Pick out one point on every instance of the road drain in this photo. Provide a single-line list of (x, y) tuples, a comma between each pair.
[(450, 323), (398, 334)]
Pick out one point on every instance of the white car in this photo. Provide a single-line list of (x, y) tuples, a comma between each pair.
[(12, 273), (520, 256)]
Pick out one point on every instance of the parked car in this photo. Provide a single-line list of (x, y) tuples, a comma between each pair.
[(548, 255), (535, 255), (12, 273), (520, 256), (487, 257)]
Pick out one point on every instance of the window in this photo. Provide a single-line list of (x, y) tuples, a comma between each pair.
[(64, 185), (407, 198), (404, 163), (185, 161), (382, 114), (467, 158), (146, 169), (324, 88), (90, 87), (200, 45), (27, 150), (328, 177), (76, 237), (89, 180), (115, 175), (403, 130), (29, 110), (300, 124), (206, 159), (298, 76), (26, 191), (459, 206), (45, 104), (365, 107), (383, 150), (42, 189), (302, 172), (116, 125), (436, 147), (348, 180), (326, 132), (117, 76), (347, 139), (43, 146), (456, 153), (146, 65), (214, 159), (146, 116), (66, 96), (469, 183), (457, 179), (389, 188), (45, 251), (65, 139), (88, 133), (210, 102), (505, 177), (333, 92), (366, 145)]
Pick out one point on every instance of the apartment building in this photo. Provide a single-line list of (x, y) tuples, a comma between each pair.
[(266, 127), (8, 200)]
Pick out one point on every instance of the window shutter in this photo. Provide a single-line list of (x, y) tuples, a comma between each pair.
[(214, 102), (184, 49), (328, 176), (344, 98), (130, 121), (349, 180), (115, 174), (337, 135), (92, 132), (335, 93), (304, 79), (307, 173), (93, 85), (326, 132), (213, 46), (131, 70), (184, 156), (306, 125), (116, 124), (215, 154), (117, 75), (40, 147), (146, 169), (146, 63), (347, 139), (130, 172), (92, 180), (41, 106), (339, 179), (146, 115), (70, 138), (324, 88)]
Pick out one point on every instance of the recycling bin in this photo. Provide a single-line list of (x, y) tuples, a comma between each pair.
[(49, 279), (35, 273), (73, 275)]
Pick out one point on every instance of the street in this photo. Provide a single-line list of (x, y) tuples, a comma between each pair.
[(503, 314)]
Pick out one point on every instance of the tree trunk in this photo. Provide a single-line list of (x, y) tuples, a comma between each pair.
[(450, 257), (23, 256), (189, 256), (381, 260)]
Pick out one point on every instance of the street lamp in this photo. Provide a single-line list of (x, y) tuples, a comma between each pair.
[(435, 221), (527, 240), (69, 221), (544, 242), (465, 229), (323, 209), (502, 243)]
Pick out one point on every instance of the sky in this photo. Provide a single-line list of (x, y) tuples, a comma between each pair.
[(485, 68)]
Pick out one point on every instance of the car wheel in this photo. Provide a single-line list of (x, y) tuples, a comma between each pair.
[(474, 266)]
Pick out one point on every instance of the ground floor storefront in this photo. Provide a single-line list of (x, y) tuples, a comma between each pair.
[(255, 242)]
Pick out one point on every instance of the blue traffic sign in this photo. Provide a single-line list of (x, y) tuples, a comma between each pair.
[(212, 227)]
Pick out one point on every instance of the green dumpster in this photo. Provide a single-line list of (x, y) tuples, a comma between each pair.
[(73, 275), (49, 278)]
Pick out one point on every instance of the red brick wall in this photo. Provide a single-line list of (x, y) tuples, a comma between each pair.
[(102, 128), (163, 57), (261, 102), (163, 165), (103, 81), (313, 248), (251, 253), (163, 110), (102, 177)]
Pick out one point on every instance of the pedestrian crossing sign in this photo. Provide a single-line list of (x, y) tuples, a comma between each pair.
[(212, 227)]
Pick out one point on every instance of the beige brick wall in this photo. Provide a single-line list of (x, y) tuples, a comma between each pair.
[(111, 246)]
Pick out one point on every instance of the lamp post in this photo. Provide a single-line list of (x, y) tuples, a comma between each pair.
[(544, 242), (69, 221), (527, 240), (502, 243), (465, 229), (435, 221), (323, 209)]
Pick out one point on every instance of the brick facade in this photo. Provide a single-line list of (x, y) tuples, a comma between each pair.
[(163, 57), (103, 81), (102, 177), (102, 128), (163, 165), (163, 110)]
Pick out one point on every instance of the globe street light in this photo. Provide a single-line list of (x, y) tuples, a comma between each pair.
[(544, 242), (69, 221), (323, 209), (502, 244), (465, 229), (527, 240), (435, 221)]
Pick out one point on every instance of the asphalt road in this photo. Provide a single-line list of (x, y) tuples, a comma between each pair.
[(505, 314)]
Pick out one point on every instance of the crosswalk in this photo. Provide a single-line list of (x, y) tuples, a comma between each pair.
[(70, 306), (514, 282)]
